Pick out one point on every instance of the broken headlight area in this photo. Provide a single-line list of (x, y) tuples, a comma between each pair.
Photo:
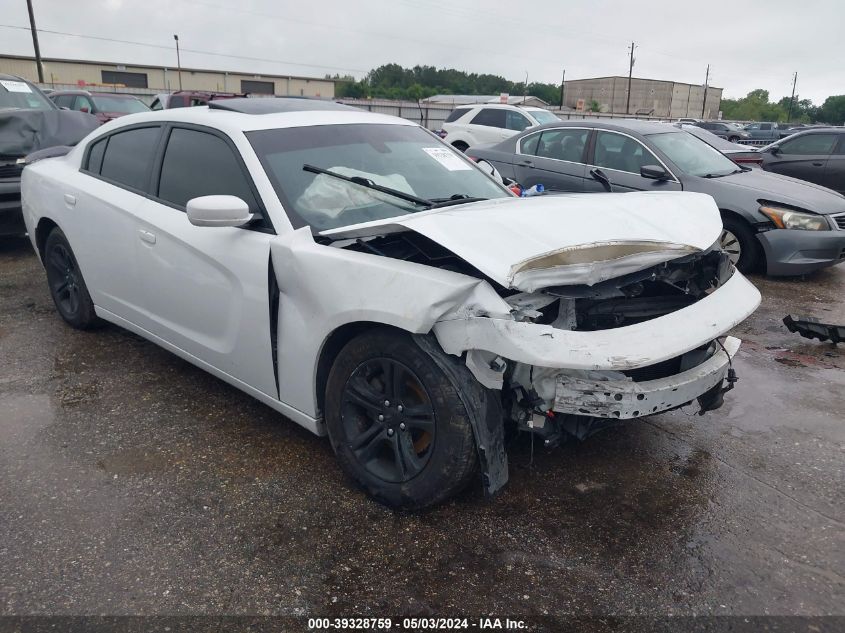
[(629, 299)]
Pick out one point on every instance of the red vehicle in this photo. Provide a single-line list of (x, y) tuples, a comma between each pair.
[(104, 105), (188, 98)]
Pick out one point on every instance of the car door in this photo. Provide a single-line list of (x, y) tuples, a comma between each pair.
[(619, 157), (803, 156), (489, 125), (554, 158), (104, 198), (207, 289), (834, 171)]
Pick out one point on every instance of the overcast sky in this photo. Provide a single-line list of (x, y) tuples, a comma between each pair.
[(751, 44)]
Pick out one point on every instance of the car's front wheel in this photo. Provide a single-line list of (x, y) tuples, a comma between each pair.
[(733, 139), (740, 244), (397, 422), (67, 286)]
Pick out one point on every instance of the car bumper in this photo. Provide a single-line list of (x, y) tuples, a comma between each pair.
[(625, 399), (793, 252), (11, 215)]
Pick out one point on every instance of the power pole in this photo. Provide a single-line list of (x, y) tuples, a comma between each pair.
[(35, 42), (706, 81), (792, 98), (178, 61), (562, 84), (630, 72)]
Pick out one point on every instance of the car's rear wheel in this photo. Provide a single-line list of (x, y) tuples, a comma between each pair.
[(740, 244), (460, 146), (733, 139), (397, 422), (67, 286)]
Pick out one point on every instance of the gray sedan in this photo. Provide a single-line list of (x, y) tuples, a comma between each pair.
[(780, 225)]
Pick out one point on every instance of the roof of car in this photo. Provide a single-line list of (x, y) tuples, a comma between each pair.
[(120, 95), (276, 115), (623, 125)]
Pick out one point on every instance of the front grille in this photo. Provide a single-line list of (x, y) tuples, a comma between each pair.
[(10, 171), (840, 220)]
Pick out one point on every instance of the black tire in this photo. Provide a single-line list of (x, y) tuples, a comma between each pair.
[(460, 146), (733, 139), (750, 257), (67, 286), (422, 451)]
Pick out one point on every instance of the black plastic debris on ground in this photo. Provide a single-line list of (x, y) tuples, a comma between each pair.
[(809, 327)]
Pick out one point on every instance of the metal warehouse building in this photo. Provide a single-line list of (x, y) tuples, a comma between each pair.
[(668, 99), (149, 80)]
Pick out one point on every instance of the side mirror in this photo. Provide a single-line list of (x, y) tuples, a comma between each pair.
[(774, 149), (218, 211), (654, 172)]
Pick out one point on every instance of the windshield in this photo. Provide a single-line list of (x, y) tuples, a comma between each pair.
[(404, 158), (119, 104), (692, 155), (544, 116), (19, 95)]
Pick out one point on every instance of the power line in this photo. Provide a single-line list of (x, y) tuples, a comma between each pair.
[(189, 50)]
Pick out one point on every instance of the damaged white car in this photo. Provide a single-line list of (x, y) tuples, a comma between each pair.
[(354, 273)]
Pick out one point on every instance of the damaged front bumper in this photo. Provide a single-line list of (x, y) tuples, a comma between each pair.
[(625, 398)]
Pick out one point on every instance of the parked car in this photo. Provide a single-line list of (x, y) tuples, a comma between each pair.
[(724, 129), (103, 105), (780, 225), (29, 122), (740, 154), (815, 155), (481, 123), (189, 98), (370, 282), (767, 130)]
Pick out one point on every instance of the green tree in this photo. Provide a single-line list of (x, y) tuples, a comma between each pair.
[(832, 110)]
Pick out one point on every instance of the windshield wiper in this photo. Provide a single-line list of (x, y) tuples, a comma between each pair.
[(369, 184), (735, 171), (458, 198)]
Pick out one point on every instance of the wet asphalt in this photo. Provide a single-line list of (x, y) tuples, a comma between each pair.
[(133, 483)]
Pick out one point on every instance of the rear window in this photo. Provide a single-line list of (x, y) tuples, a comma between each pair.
[(123, 105), (491, 117), (129, 157), (456, 114)]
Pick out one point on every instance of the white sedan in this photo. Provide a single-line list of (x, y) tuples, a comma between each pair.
[(354, 273)]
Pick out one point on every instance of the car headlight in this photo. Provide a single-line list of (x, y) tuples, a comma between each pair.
[(789, 219)]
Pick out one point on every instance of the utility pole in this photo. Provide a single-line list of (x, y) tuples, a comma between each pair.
[(178, 61), (525, 88), (792, 98), (35, 42), (630, 72), (562, 84), (706, 81)]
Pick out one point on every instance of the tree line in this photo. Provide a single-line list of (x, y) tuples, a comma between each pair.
[(392, 81)]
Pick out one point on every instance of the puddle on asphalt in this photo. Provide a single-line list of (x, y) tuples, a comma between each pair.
[(22, 417)]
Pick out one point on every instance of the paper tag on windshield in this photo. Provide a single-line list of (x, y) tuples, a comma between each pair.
[(15, 86), (446, 158)]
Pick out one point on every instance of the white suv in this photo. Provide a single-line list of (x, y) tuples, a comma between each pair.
[(490, 123)]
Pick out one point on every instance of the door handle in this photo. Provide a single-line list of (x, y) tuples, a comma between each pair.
[(527, 163), (70, 200), (817, 164), (147, 237)]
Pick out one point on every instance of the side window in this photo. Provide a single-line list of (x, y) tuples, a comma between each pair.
[(841, 149), (129, 156), (563, 145), (515, 121), (621, 153), (765, 126), (753, 126), (95, 156), (491, 117), (201, 164), (810, 144), (177, 101), (528, 145), (82, 102), (455, 114), (64, 101)]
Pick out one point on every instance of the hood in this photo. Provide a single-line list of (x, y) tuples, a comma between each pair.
[(531, 243), (763, 185), (25, 131)]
